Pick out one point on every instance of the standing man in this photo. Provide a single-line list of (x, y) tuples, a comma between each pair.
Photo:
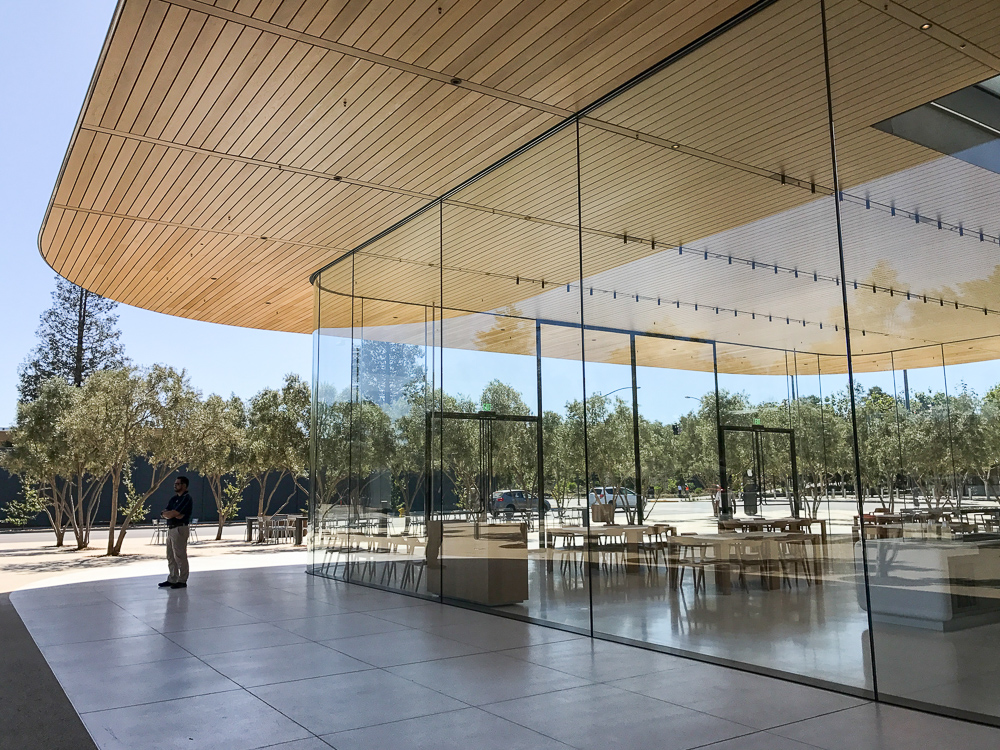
[(178, 515)]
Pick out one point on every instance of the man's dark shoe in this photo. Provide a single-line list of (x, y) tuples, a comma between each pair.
[(180, 585), (164, 584)]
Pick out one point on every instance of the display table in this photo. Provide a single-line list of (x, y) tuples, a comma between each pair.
[(478, 562), (937, 585)]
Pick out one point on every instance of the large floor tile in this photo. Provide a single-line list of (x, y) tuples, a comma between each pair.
[(433, 616), (141, 683), (100, 656), (598, 661), (233, 638), (338, 626), (600, 716), (401, 647), (468, 729), (94, 612), (197, 618), (178, 602), (354, 700), (757, 701), (759, 741), (223, 721), (502, 633), (297, 661), (313, 743), (882, 727), (72, 631), (53, 598), (288, 610), (487, 678), (363, 599)]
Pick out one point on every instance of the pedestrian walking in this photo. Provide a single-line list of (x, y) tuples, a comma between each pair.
[(178, 515)]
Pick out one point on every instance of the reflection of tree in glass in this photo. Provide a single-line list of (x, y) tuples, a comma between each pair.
[(386, 372)]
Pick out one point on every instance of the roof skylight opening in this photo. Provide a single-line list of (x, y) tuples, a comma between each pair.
[(964, 124)]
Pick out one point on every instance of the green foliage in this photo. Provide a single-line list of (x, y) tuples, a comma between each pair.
[(135, 502), (77, 336), (277, 442), (19, 511)]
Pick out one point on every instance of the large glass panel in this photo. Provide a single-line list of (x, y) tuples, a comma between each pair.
[(561, 577), (331, 443), (917, 147), (510, 262), (706, 222), (396, 290)]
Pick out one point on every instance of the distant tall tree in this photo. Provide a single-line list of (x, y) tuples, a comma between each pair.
[(77, 336), (386, 372)]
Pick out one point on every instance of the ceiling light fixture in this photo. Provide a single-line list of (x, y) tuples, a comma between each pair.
[(924, 26)]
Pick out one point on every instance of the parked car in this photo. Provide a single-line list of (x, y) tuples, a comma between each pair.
[(510, 501), (624, 498)]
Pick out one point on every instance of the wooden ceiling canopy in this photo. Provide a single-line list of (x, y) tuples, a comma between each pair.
[(228, 149), (708, 211)]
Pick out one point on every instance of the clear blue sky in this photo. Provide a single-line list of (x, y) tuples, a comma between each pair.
[(47, 58)]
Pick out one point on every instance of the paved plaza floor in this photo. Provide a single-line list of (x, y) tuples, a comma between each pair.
[(272, 657)]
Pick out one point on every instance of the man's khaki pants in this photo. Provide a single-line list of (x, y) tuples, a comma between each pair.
[(177, 553)]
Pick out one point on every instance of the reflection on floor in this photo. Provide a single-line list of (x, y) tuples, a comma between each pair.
[(817, 631), (270, 657), (803, 621)]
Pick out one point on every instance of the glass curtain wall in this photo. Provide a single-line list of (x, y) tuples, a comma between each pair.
[(917, 148), (654, 379)]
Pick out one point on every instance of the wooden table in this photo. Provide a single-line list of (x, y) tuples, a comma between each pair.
[(252, 522), (773, 524), (301, 524), (631, 535), (722, 549)]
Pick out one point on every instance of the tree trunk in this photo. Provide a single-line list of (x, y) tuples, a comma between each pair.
[(112, 524), (81, 321), (218, 534), (261, 531), (79, 529)]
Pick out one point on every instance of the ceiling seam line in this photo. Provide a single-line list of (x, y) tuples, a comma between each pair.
[(556, 224), (374, 58), (934, 30), (637, 135), (252, 162), (178, 225)]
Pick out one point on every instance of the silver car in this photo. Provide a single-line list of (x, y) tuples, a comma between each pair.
[(624, 498), (511, 501)]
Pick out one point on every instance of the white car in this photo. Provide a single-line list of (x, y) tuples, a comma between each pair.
[(624, 498)]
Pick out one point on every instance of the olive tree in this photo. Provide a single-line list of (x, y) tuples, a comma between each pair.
[(39, 445), (277, 439), (217, 451)]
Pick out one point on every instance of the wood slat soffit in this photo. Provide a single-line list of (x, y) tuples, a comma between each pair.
[(225, 150), (707, 209)]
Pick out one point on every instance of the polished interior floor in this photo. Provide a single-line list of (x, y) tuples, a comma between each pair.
[(813, 630), (272, 657)]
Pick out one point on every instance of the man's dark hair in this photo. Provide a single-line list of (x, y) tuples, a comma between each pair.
[(185, 480)]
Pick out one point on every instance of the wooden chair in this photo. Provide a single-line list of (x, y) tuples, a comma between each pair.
[(413, 567), (793, 554), (749, 556), (698, 558)]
